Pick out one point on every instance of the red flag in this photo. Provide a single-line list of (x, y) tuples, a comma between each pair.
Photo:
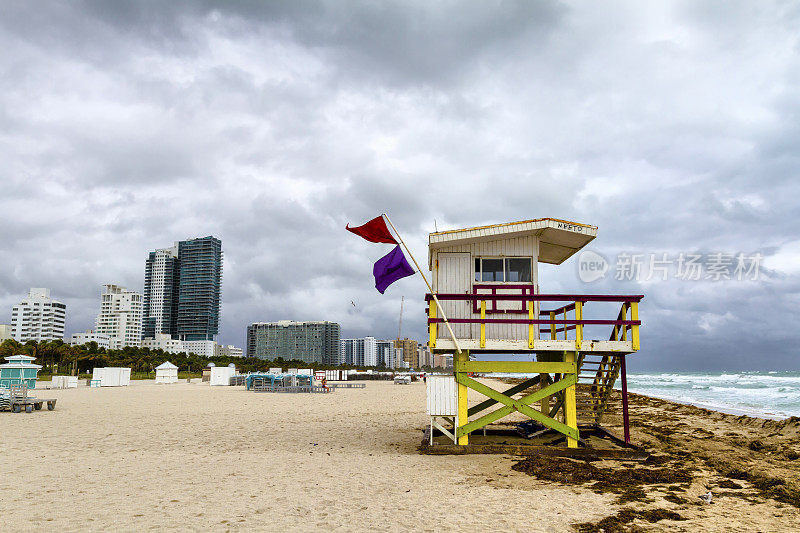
[(374, 231)]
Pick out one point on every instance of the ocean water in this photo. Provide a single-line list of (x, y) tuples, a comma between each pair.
[(773, 395), (761, 394)]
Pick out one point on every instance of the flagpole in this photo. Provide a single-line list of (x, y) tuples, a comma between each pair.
[(435, 299)]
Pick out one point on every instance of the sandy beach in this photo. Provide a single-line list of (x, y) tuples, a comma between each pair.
[(192, 457)]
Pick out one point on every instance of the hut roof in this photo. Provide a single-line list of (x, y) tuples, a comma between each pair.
[(165, 365), (558, 239), (20, 358)]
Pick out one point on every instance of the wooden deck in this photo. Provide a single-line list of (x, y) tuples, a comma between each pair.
[(595, 443)]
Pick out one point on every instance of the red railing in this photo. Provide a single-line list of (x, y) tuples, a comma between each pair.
[(621, 325)]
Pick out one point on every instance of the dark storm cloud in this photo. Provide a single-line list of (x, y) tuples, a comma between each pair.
[(125, 126)]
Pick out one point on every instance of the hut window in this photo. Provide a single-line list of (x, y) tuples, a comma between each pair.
[(509, 269), (488, 269), (518, 269)]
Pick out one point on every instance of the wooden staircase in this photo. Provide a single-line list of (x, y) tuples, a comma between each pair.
[(596, 377)]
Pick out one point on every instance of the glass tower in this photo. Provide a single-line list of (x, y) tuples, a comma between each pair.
[(200, 278)]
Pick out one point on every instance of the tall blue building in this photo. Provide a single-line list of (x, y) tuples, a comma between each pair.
[(181, 290), (199, 288)]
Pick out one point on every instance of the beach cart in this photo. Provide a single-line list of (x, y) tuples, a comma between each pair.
[(16, 399)]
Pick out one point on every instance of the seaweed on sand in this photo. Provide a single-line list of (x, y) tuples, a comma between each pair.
[(618, 521)]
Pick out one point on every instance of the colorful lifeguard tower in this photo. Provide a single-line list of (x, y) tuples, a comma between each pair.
[(486, 281), (19, 370)]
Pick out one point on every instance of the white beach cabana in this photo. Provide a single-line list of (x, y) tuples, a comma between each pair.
[(166, 372), (221, 375), (111, 376)]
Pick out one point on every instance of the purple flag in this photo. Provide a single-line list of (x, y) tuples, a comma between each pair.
[(390, 268)]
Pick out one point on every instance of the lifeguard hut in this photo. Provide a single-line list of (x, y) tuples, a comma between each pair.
[(19, 370), (486, 280)]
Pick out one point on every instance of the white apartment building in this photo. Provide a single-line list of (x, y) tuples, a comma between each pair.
[(38, 317), (165, 342), (78, 339), (358, 352), (5, 333), (231, 351), (120, 316), (201, 348)]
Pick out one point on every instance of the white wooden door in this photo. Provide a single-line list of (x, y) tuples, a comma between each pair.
[(455, 277)]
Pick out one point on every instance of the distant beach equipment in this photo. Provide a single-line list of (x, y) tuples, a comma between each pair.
[(166, 372), (112, 376), (301, 381), (16, 399), (64, 382), (221, 375), (336, 375)]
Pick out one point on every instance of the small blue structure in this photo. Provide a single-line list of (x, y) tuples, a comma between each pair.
[(279, 380), (19, 370)]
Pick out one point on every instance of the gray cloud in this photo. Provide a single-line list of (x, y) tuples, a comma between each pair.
[(127, 126)]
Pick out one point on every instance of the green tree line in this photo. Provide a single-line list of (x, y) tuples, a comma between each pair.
[(58, 357)]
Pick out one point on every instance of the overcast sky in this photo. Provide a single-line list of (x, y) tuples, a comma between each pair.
[(672, 127)]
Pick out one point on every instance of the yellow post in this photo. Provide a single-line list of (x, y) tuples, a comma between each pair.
[(463, 410), (635, 329), (544, 404), (432, 329), (578, 327), (530, 326), (483, 324), (570, 409), (552, 326)]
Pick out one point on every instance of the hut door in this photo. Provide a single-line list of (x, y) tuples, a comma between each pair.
[(455, 277)]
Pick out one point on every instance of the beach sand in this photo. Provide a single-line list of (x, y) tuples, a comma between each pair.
[(193, 457)]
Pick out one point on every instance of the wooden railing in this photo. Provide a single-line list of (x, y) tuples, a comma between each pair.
[(560, 320)]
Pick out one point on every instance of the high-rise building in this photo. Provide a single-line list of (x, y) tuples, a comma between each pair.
[(199, 288), (160, 314), (410, 353), (182, 289), (386, 353), (120, 316), (5, 332), (358, 352), (424, 356), (311, 342), (38, 317)]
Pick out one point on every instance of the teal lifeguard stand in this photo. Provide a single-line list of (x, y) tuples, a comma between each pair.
[(19, 370)]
